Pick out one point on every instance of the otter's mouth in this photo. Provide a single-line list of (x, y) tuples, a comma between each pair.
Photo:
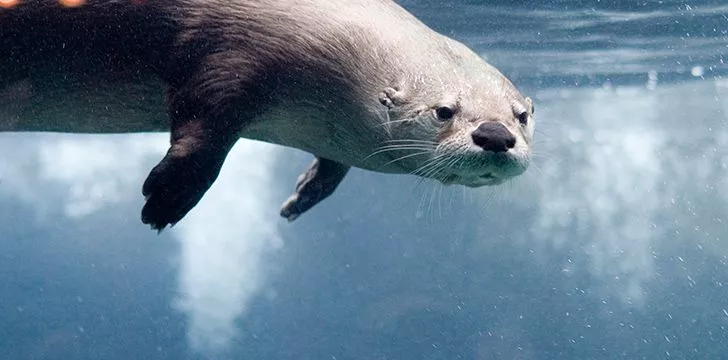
[(482, 170), (488, 178)]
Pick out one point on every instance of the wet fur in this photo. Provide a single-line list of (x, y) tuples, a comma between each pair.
[(301, 73)]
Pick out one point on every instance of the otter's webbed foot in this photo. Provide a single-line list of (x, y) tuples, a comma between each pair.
[(314, 185), (179, 181)]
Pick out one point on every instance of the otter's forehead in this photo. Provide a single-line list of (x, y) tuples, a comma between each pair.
[(476, 76), (483, 97), (484, 81)]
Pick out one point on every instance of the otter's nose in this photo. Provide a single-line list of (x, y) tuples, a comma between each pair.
[(493, 137)]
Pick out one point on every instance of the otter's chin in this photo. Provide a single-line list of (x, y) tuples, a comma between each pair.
[(489, 175), (487, 179)]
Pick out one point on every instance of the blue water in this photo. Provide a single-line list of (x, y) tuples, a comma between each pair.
[(613, 245)]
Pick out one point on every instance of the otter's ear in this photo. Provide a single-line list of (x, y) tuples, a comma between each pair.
[(530, 105), (391, 97)]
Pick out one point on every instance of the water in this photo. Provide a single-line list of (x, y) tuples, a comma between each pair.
[(613, 246)]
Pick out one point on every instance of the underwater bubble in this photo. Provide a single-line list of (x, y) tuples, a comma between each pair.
[(697, 71)]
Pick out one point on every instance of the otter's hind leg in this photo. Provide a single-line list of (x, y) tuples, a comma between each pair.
[(208, 111), (314, 185)]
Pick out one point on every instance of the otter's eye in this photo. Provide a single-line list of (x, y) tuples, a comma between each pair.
[(523, 118), (444, 113)]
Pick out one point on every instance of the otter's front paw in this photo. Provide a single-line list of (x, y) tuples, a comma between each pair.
[(176, 185)]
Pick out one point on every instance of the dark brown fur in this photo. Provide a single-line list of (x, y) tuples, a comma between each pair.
[(206, 52), (225, 63)]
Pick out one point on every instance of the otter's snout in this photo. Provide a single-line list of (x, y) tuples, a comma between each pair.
[(493, 137)]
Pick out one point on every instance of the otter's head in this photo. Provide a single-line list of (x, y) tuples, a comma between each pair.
[(467, 130)]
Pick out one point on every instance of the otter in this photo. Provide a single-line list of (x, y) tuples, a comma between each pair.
[(356, 83)]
